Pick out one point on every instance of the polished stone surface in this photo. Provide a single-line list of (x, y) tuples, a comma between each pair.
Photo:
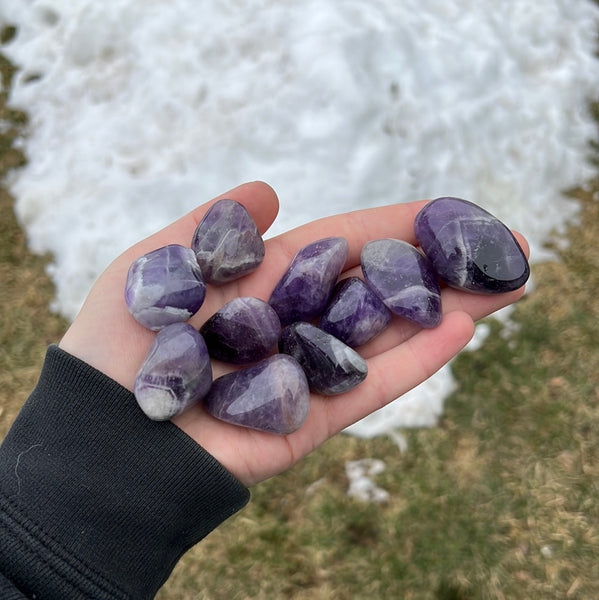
[(227, 243), (404, 280), (469, 248), (244, 330), (271, 396), (164, 286), (306, 287), (355, 314), (175, 374), (331, 366)]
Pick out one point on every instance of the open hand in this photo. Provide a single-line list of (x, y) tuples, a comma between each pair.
[(107, 337)]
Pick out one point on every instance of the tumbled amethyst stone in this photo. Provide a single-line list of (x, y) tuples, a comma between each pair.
[(404, 280), (164, 286), (469, 248), (306, 287), (272, 396), (331, 366), (244, 330), (355, 313), (175, 374), (227, 243)]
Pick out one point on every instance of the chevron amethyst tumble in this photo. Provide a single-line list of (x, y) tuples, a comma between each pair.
[(304, 290), (404, 280), (175, 374), (469, 248), (272, 396), (355, 313), (164, 286), (331, 366), (227, 243), (244, 330)]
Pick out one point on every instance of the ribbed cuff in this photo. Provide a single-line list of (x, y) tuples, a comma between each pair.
[(96, 500)]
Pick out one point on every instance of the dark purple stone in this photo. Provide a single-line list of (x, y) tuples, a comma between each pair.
[(331, 366), (355, 313), (404, 280), (244, 330), (227, 243), (306, 287), (469, 248), (271, 396), (175, 374), (164, 286)]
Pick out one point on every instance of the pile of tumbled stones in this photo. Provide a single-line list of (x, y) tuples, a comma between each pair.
[(314, 320)]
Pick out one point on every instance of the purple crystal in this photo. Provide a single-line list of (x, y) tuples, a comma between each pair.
[(271, 396), (355, 313), (175, 374), (404, 279), (306, 287), (331, 366), (227, 243), (244, 330), (469, 248), (164, 286)]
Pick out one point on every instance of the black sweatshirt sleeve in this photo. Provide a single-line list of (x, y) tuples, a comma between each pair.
[(96, 500)]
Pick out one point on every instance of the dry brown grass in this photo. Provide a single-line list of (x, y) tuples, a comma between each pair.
[(26, 324)]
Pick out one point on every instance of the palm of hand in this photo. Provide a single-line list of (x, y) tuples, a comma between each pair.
[(106, 336)]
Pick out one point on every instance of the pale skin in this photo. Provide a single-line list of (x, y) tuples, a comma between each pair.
[(107, 337)]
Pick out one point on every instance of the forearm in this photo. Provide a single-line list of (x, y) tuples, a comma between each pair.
[(96, 501)]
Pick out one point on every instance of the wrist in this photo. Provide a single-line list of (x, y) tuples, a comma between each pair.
[(105, 491)]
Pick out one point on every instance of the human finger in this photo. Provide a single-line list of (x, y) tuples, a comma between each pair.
[(257, 197), (357, 227)]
